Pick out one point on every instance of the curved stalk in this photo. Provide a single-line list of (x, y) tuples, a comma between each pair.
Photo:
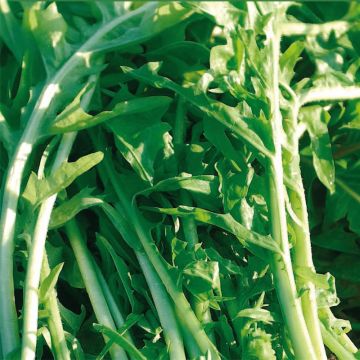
[(335, 93), (32, 280)]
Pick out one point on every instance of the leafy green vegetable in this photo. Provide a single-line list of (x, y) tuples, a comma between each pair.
[(179, 180)]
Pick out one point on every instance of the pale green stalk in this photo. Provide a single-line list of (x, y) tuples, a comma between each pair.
[(330, 93), (302, 248), (32, 280), (162, 301), (281, 265), (114, 309), (333, 344), (37, 250), (299, 28), (92, 284)]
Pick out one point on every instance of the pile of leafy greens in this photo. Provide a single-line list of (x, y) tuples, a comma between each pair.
[(179, 180)]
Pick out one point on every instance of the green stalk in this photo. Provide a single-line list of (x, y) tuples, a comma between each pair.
[(92, 284), (163, 304), (114, 309), (201, 308), (182, 305), (58, 341), (281, 265), (9, 334), (333, 344), (162, 301), (32, 280)]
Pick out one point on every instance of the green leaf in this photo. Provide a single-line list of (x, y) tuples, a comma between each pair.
[(121, 269), (48, 284), (201, 276), (338, 239), (289, 59), (345, 202), (11, 31), (201, 184), (215, 133), (132, 134), (227, 115), (73, 320), (120, 340), (325, 286), (49, 29), (248, 238), (73, 118), (123, 226), (37, 190), (257, 314), (151, 20), (68, 209), (315, 119), (259, 346)]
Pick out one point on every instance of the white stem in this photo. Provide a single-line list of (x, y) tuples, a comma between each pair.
[(335, 93), (31, 296), (297, 28)]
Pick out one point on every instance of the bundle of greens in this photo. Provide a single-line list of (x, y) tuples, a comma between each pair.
[(179, 179)]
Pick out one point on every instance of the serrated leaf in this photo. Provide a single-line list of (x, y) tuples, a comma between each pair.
[(37, 190), (201, 276), (289, 59), (314, 118), (228, 116)]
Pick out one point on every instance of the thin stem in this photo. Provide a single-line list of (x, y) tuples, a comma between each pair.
[(335, 346), (162, 303), (114, 309), (56, 329), (92, 284), (201, 308), (281, 265), (32, 280)]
